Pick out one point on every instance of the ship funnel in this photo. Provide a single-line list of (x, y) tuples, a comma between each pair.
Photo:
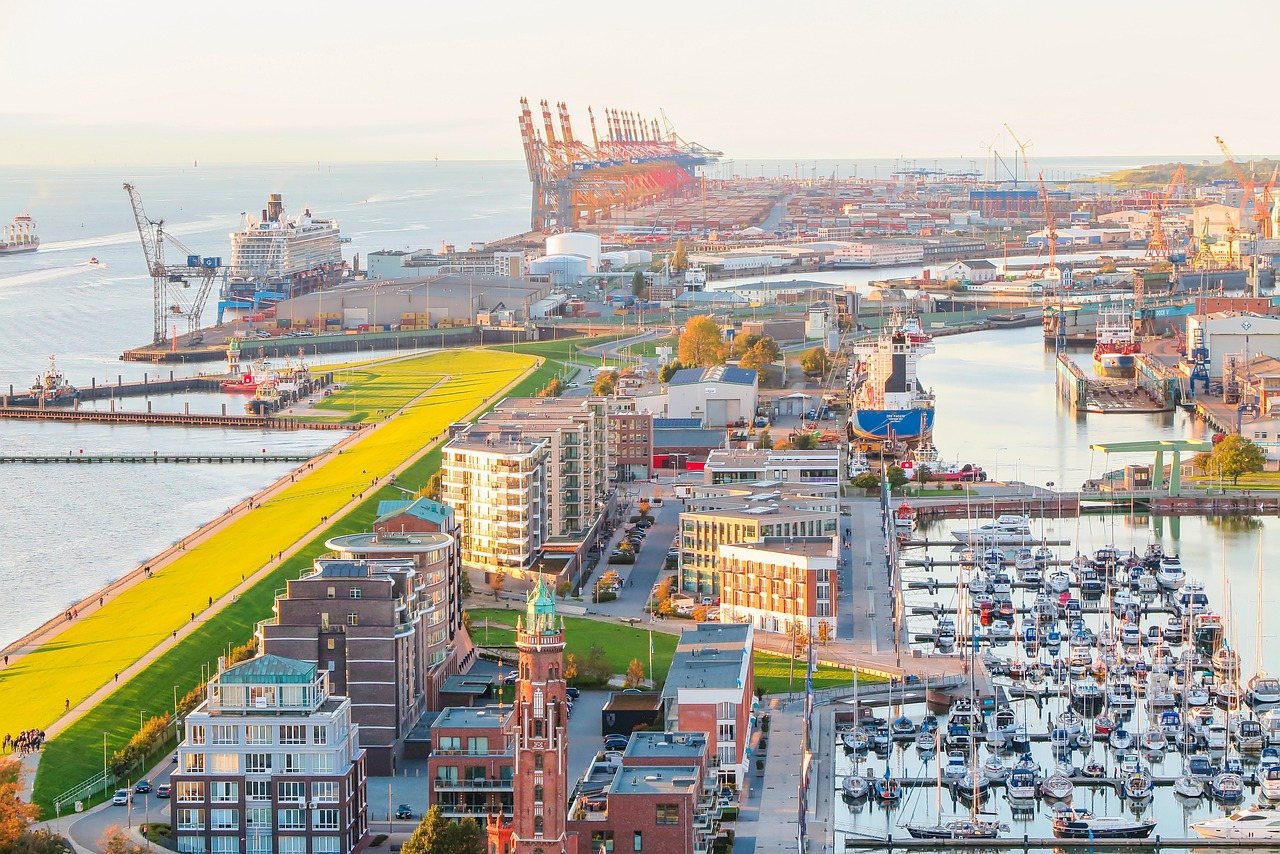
[(274, 207)]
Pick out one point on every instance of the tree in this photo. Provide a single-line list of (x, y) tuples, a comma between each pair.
[(867, 480), (814, 362), (680, 258), (764, 352), (15, 814), (701, 344), (635, 674), (896, 476), (570, 667), (432, 836), (116, 841), (1202, 461), (39, 842), (639, 285), (605, 384), (564, 588), (765, 441), (667, 371), (805, 442), (497, 578), (435, 486), (923, 475), (1235, 455), (742, 343), (555, 388), (467, 837), (824, 633)]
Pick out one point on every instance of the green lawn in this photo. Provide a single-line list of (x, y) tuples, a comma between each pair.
[(649, 349), (86, 655), (1259, 480)]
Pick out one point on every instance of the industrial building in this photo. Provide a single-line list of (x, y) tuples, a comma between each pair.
[(400, 264), (719, 396), (879, 253), (1237, 336), (974, 271)]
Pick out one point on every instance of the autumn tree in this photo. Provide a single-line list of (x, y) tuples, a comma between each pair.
[(764, 352), (701, 344), (435, 486), (814, 362), (497, 579), (639, 285), (1235, 455), (742, 343), (15, 814), (680, 258), (635, 674), (606, 383), (570, 667), (824, 633), (554, 388), (115, 841), (764, 441)]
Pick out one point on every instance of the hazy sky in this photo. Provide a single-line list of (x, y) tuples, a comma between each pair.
[(132, 81)]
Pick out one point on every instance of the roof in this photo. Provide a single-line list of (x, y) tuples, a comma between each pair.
[(978, 265), (655, 780), (420, 508), (482, 717), (716, 374), (637, 701), (676, 423), (342, 569), (713, 655), (269, 669), (676, 745), (701, 438), (807, 546), (460, 683)]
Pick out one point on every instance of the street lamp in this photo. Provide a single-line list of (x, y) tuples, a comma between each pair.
[(996, 472), (141, 712)]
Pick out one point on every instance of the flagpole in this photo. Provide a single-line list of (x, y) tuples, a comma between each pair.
[(651, 682)]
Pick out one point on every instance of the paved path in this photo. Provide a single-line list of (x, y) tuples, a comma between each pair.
[(31, 761)]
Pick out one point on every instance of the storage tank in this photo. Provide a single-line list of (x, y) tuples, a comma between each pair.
[(616, 260), (639, 256), (576, 243), (560, 269)]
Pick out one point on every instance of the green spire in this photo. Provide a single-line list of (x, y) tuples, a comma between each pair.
[(540, 610)]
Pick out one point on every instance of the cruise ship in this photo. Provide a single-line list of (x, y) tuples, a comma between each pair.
[(888, 403), (278, 257), (19, 237)]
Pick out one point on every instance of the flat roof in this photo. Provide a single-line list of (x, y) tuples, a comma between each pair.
[(673, 745), (472, 717), (808, 546), (713, 655), (373, 543), (641, 701), (655, 780), (461, 683)]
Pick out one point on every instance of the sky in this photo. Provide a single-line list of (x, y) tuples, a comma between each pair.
[(169, 82)]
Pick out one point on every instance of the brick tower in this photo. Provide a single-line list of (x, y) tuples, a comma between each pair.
[(538, 736)]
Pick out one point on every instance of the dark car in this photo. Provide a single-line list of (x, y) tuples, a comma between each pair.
[(644, 523), (162, 791), (403, 811), (509, 678), (615, 742), (142, 787), (571, 692)]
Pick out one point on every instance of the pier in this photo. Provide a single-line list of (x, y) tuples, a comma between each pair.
[(155, 457), (182, 419), (1152, 389), (1034, 843)]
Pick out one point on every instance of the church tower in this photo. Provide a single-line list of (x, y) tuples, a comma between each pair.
[(539, 737)]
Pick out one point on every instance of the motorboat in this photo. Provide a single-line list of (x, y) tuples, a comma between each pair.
[(1005, 718), (1058, 785), (1256, 822), (1249, 736), (1191, 599), (1200, 765), (903, 728), (1154, 741), (1227, 787), (1170, 723), (857, 739), (1173, 632), (1090, 582), (1094, 769), (1130, 635), (1006, 530), (1058, 581), (959, 738), (1021, 783), (1271, 725), (1086, 697), (927, 741), (888, 789), (1019, 739), (955, 767), (1269, 781), (1120, 739), (1103, 724), (994, 769), (1215, 736), (1138, 787), (960, 828), (1196, 696), (1263, 690), (1270, 756), (1146, 585), (1081, 824), (1188, 786), (945, 634), (1153, 555), (973, 784), (1170, 575), (904, 517), (1228, 695), (855, 787), (1123, 600), (1024, 558)]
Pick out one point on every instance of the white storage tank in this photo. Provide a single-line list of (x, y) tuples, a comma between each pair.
[(616, 260), (576, 243), (560, 269), (639, 256)]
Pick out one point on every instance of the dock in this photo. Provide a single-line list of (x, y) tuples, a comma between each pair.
[(182, 419), (1048, 843), (155, 458), (1153, 388)]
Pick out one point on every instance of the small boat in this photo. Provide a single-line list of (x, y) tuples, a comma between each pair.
[(1021, 784), (1103, 725), (1084, 740), (1257, 822), (1058, 581), (926, 741), (1081, 824), (994, 769), (855, 787), (888, 789), (905, 516), (857, 739), (1269, 780), (1249, 736), (1094, 770), (929, 723), (1071, 722), (1215, 736), (1019, 739), (973, 784), (1170, 575), (903, 728), (1154, 741), (1196, 696), (1120, 739), (955, 767), (1130, 635), (1023, 558), (1173, 632), (93, 261), (1263, 690), (960, 828), (1057, 785), (1188, 786), (51, 385), (1227, 787), (1227, 695), (1200, 765), (1138, 787), (1120, 694)]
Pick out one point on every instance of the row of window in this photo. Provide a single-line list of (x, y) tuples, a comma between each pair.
[(259, 817), (260, 844), (256, 734), (287, 791), (259, 763)]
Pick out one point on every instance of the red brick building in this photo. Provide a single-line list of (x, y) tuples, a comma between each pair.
[(471, 767)]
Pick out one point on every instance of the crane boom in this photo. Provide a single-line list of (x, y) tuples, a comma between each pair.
[(1022, 146)]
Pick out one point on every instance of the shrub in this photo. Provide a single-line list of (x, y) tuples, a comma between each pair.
[(867, 480), (152, 733)]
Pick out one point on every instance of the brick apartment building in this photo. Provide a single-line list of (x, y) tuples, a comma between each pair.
[(779, 582), (471, 768)]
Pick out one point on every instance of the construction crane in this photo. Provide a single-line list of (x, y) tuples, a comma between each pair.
[(1158, 245), (1022, 146), (1246, 183), (1051, 232), (179, 291)]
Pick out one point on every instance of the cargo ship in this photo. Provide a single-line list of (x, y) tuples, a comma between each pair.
[(20, 236), (887, 401), (1114, 354), (278, 257)]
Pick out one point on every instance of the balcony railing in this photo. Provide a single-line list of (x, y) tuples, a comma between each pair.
[(451, 785)]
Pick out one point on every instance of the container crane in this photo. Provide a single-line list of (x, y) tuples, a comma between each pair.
[(1051, 232), (1022, 146), (179, 291)]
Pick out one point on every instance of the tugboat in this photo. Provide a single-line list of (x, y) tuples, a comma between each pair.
[(905, 516), (52, 386)]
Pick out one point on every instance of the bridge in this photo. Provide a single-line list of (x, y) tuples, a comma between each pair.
[(1158, 447)]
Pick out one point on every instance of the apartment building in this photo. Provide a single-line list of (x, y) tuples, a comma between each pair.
[(630, 441), (495, 479), (717, 519), (710, 689), (800, 467), (270, 763), (780, 582), (471, 768), (383, 622)]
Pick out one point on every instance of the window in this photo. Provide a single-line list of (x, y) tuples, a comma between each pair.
[(537, 825), (224, 792), (293, 734), (258, 843), (637, 841), (319, 735), (257, 734), (667, 814), (537, 728), (190, 819), (257, 817), (326, 845), (325, 793), (191, 844), (224, 763), (291, 792), (224, 819), (478, 745), (326, 819), (537, 762), (292, 845), (450, 742), (331, 643), (725, 732), (291, 820), (333, 593), (223, 734), (257, 790), (355, 592), (726, 711), (225, 845), (322, 764), (257, 763), (537, 794), (195, 735), (353, 619), (447, 773), (193, 763), (602, 840), (190, 790)]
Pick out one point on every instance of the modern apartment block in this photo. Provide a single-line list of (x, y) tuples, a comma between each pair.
[(746, 514), (797, 467), (471, 768), (710, 689), (495, 479), (384, 623), (271, 763), (630, 440), (779, 582)]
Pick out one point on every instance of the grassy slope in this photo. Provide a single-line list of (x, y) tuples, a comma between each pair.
[(87, 655)]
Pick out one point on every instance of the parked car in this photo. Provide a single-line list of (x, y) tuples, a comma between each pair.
[(572, 692), (162, 791), (403, 811), (615, 742), (142, 787), (509, 678), (120, 797), (622, 556), (644, 523)]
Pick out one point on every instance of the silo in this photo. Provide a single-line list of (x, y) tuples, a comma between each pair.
[(576, 243)]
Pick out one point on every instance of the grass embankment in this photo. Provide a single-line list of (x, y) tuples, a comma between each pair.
[(623, 643), (373, 391), (649, 349), (89, 653), (1258, 480)]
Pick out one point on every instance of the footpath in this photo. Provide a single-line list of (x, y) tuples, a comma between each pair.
[(50, 631)]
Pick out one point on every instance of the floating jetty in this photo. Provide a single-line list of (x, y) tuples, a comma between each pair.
[(107, 459), (1046, 843)]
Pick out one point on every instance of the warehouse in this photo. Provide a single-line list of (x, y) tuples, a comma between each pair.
[(449, 298)]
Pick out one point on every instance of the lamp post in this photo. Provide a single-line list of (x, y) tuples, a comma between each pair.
[(996, 472), (141, 712), (104, 764)]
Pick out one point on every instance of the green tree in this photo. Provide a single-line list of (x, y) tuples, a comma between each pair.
[(805, 442), (1202, 461), (701, 344), (896, 476), (639, 285), (867, 480), (667, 371), (467, 837), (1236, 455), (814, 362), (764, 441), (680, 258), (432, 836), (923, 474), (435, 486), (764, 352), (606, 383), (742, 343)]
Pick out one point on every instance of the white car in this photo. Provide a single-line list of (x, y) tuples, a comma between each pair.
[(121, 797)]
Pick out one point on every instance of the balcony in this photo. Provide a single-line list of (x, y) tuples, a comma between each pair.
[(478, 785)]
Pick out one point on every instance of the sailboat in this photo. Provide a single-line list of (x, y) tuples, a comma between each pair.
[(855, 786), (975, 826)]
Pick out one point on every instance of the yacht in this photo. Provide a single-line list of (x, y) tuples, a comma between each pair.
[(1058, 785), (1249, 736), (960, 828), (1170, 575), (855, 787), (1081, 824), (1227, 787), (1058, 581), (1138, 787), (1021, 784), (1262, 690), (1188, 786), (956, 766), (1255, 822), (1006, 530), (1120, 695), (1269, 780)]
